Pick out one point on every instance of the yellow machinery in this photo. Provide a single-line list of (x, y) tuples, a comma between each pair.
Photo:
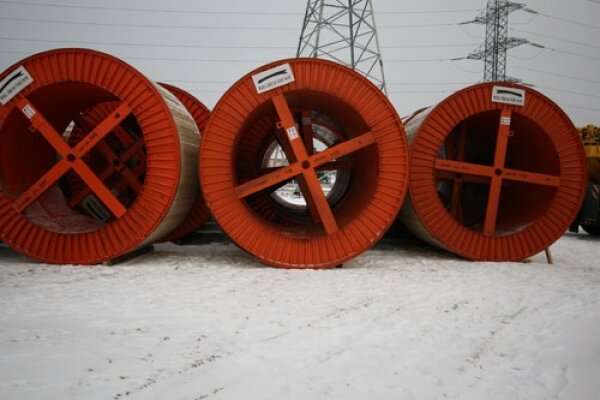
[(589, 215), (590, 135)]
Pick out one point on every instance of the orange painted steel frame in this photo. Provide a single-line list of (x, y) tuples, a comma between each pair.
[(311, 127), (129, 164), (527, 159), (374, 138), (118, 163), (34, 157), (199, 213)]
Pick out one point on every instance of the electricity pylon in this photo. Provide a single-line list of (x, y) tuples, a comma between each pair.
[(343, 31), (497, 42)]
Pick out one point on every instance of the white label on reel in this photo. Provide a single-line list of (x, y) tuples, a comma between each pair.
[(12, 85), (508, 95), (29, 111), (505, 121), (292, 133), (273, 78)]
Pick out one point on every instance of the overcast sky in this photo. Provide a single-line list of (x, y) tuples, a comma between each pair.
[(190, 43)]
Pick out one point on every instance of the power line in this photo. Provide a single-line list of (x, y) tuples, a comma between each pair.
[(471, 83), (536, 55), (147, 10), (419, 25), (228, 60), (551, 49), (391, 61), (17, 52), (200, 27), (201, 60), (556, 38), (572, 53), (429, 83), (425, 60), (198, 90), (575, 78), (200, 46), (422, 91), (569, 91), (163, 58), (391, 84), (152, 26), (457, 66), (193, 81), (208, 12), (456, 11), (129, 44), (396, 92), (580, 107), (428, 46), (462, 28), (570, 21)]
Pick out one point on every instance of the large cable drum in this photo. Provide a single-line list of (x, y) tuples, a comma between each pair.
[(199, 213), (138, 190), (304, 163), (497, 172), (131, 165)]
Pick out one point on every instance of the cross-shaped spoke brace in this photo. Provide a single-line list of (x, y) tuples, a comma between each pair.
[(71, 158), (117, 162), (494, 175), (303, 166)]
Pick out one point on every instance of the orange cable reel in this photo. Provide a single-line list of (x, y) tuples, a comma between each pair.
[(132, 164), (199, 213), (96, 160), (497, 173), (304, 164)]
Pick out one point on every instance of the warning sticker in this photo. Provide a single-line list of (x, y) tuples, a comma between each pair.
[(508, 95), (292, 133), (12, 85), (273, 78)]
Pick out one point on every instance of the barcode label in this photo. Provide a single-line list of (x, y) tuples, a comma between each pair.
[(292, 133), (29, 111), (273, 78)]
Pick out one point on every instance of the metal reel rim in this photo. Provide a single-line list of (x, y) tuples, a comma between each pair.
[(440, 224), (128, 232), (220, 133)]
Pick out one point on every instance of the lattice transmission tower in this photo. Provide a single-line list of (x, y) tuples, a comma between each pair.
[(343, 31), (497, 42)]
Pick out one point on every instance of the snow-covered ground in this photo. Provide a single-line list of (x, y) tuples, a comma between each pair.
[(208, 322)]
